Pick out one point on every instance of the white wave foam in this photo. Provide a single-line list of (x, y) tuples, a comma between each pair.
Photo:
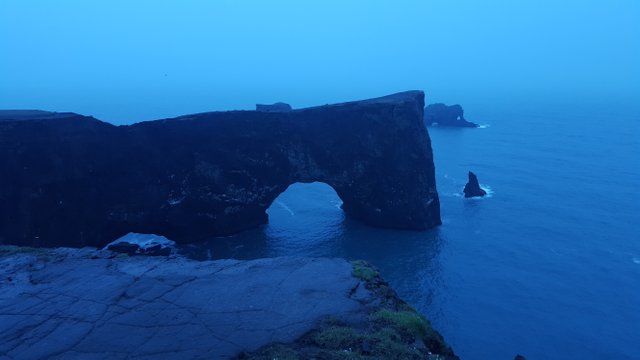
[(488, 189), (282, 205), (483, 126)]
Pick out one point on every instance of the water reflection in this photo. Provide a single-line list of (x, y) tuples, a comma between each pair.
[(306, 220)]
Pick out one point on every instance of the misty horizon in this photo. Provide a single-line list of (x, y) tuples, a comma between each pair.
[(499, 222), (123, 62)]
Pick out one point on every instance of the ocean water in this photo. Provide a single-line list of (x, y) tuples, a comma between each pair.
[(547, 265)]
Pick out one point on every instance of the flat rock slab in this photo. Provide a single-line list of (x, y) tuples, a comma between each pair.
[(87, 304)]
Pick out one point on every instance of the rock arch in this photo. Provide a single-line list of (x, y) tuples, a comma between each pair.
[(73, 180), (314, 190)]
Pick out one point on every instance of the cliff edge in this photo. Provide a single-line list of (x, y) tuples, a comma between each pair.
[(83, 303)]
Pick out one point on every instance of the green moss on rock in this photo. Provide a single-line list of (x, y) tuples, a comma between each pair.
[(337, 338), (364, 271), (392, 330), (409, 322)]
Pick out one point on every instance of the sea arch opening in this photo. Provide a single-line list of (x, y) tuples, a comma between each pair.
[(306, 211)]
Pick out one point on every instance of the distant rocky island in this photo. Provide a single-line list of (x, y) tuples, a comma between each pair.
[(73, 180), (279, 106), (446, 115)]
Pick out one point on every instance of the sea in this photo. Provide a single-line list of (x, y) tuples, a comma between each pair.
[(547, 265)]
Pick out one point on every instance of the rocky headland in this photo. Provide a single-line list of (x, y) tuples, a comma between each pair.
[(73, 180), (446, 115), (91, 304)]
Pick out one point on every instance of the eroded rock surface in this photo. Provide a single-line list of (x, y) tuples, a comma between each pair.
[(87, 304), (72, 180)]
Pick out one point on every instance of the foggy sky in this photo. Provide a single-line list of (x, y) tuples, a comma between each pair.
[(125, 61)]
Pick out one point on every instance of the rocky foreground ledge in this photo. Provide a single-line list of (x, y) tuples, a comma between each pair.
[(90, 304)]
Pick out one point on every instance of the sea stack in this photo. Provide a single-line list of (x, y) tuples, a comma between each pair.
[(473, 189), (277, 107)]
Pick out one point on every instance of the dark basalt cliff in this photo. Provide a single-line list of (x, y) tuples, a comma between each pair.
[(72, 180), (446, 115)]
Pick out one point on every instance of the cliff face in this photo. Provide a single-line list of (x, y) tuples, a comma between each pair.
[(73, 180)]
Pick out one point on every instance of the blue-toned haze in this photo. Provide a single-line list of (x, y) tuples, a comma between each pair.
[(548, 265), (125, 61)]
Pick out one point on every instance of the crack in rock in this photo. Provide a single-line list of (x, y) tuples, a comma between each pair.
[(94, 305)]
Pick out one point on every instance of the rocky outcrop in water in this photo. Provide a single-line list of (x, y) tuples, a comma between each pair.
[(472, 188), (445, 115), (279, 106), (72, 180)]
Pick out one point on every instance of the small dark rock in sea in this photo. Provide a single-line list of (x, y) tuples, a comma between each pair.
[(519, 357), (445, 115), (277, 107), (473, 189)]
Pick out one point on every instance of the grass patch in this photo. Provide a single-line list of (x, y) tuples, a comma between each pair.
[(407, 322), (364, 271), (346, 343), (393, 330), (388, 344), (411, 324), (337, 338)]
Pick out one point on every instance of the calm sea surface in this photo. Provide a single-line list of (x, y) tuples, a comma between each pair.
[(547, 265)]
